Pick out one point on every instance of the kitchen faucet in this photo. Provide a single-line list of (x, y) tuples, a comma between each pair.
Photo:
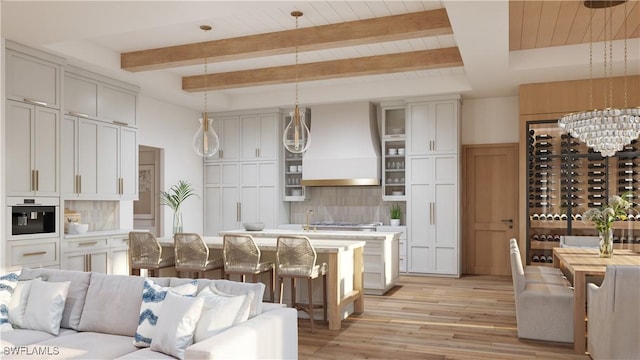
[(306, 227)]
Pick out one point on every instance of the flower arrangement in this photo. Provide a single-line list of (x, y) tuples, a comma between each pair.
[(604, 217), (173, 198)]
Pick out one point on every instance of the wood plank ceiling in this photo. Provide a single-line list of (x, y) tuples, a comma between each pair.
[(423, 24), (540, 24), (532, 25)]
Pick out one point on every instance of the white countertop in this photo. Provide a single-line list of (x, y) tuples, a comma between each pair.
[(320, 234), (269, 243), (98, 233)]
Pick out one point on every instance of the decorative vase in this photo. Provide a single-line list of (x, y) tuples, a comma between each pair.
[(177, 222), (606, 243), (395, 222)]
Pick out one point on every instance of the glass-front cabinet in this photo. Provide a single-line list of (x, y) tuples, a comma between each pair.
[(393, 159), (293, 190), (564, 179)]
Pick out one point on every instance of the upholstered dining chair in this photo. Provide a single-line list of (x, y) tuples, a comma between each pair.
[(296, 259), (145, 252), (242, 257), (613, 314), (193, 255)]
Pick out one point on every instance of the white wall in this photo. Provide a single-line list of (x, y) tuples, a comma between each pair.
[(490, 120), (171, 128)]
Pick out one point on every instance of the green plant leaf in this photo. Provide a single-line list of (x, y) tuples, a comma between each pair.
[(177, 194)]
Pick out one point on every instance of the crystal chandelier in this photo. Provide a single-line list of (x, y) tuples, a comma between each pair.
[(610, 129), (205, 141), (296, 137)]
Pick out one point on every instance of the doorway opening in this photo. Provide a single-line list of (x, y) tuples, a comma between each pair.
[(146, 210)]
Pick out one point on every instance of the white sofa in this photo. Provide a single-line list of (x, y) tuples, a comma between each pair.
[(101, 317)]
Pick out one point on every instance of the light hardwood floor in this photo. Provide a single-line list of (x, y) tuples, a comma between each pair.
[(432, 318)]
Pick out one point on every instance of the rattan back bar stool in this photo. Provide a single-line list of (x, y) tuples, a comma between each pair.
[(242, 257), (145, 252), (296, 259), (193, 255)]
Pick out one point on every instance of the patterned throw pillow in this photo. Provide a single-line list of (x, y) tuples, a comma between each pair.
[(153, 296), (7, 285)]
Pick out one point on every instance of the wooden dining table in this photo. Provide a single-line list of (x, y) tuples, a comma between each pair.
[(345, 262), (578, 264)]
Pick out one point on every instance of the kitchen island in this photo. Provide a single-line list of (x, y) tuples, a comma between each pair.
[(381, 252), (344, 259)]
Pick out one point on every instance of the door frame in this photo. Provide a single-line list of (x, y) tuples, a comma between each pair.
[(464, 192)]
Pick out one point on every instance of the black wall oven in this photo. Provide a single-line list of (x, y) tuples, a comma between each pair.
[(33, 218)]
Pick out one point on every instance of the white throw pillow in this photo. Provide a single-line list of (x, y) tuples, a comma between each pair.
[(18, 303), (240, 288), (177, 321), (8, 284), (219, 312), (152, 297), (46, 305)]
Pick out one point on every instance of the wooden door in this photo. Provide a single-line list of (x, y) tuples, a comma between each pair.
[(490, 207)]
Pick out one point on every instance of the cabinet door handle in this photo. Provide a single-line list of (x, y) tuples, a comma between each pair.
[(431, 213), (33, 181), (238, 212), (37, 180), (87, 243), (73, 113), (87, 262), (221, 153), (258, 152), (120, 123), (34, 253), (36, 102)]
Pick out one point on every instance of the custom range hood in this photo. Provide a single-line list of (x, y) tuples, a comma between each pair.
[(345, 146)]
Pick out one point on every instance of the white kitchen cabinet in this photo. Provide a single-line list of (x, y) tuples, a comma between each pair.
[(394, 152), (32, 76), (259, 134), (433, 201), (241, 192), (33, 253), (118, 161), (85, 254), (32, 143), (91, 95), (79, 157), (228, 130), (119, 255), (433, 127), (433, 215)]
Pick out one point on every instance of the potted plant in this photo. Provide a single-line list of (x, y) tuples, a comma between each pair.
[(395, 214), (603, 219), (173, 198)]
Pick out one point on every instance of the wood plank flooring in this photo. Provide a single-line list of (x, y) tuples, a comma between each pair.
[(432, 318)]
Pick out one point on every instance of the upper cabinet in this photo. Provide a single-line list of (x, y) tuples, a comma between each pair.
[(32, 76), (393, 145), (32, 142), (432, 127), (247, 136), (94, 96)]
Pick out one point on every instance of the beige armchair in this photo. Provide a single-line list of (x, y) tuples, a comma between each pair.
[(613, 314), (242, 257), (543, 311), (537, 271)]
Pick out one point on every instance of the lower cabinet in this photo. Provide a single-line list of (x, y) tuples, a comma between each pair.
[(402, 251), (33, 253), (101, 254)]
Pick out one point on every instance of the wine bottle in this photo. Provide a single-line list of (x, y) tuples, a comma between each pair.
[(627, 188), (627, 163), (570, 166), (543, 144), (572, 196), (595, 165), (543, 152), (569, 151), (569, 144), (543, 159), (595, 196), (596, 188), (544, 137), (628, 172), (595, 204), (571, 188), (567, 173), (596, 181), (627, 181), (596, 173), (572, 181), (543, 166), (541, 189)]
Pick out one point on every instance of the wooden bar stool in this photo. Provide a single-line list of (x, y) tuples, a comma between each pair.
[(193, 255), (145, 252), (242, 257), (296, 259)]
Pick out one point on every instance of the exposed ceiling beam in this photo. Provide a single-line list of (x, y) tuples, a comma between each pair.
[(372, 65), (390, 28)]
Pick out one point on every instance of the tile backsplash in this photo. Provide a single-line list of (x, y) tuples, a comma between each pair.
[(359, 204), (100, 215)]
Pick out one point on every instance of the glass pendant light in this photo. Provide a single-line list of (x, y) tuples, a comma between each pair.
[(205, 141), (296, 137)]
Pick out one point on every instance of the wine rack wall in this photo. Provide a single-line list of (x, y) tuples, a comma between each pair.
[(565, 178)]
